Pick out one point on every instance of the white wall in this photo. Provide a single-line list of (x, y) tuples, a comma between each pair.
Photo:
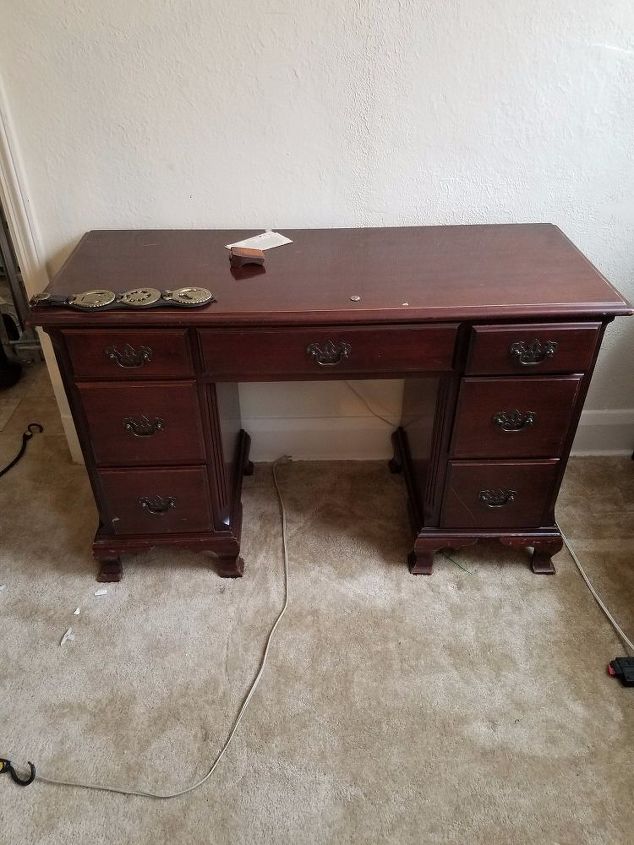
[(289, 113)]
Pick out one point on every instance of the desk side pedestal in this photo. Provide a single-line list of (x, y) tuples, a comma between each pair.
[(490, 464)]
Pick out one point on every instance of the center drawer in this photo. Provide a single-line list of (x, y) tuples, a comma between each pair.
[(514, 417), (260, 354), (149, 423)]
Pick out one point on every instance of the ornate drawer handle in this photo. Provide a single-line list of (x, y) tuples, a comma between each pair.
[(330, 354), (497, 498), (157, 505), (129, 356), (531, 354), (514, 420), (143, 426)]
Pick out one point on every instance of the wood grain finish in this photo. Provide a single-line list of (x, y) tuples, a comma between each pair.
[(443, 273), (146, 423), (255, 355), (572, 347), (520, 494), (136, 354), (431, 304), (158, 501), (513, 417)]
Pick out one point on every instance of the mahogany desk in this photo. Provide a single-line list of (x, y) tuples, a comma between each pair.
[(495, 329)]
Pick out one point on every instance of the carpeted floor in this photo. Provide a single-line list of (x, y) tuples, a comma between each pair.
[(469, 707)]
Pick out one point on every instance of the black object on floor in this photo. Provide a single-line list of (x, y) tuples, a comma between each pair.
[(6, 767), (10, 370), (31, 429), (623, 669)]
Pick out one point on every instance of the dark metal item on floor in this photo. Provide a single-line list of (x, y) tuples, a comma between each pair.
[(31, 429), (6, 768), (141, 298), (623, 669)]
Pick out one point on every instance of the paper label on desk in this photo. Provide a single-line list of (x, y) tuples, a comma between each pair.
[(267, 240)]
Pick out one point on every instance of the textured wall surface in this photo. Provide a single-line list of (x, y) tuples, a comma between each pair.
[(288, 113)]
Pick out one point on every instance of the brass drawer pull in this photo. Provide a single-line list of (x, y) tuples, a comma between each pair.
[(531, 354), (129, 357), (143, 426), (157, 505), (514, 420), (497, 498), (330, 354)]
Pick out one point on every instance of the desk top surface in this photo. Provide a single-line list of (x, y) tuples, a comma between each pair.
[(413, 274)]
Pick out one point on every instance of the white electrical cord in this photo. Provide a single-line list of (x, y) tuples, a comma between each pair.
[(370, 408), (164, 795), (158, 795), (621, 633)]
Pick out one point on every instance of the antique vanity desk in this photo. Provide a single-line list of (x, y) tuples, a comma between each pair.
[(495, 329)]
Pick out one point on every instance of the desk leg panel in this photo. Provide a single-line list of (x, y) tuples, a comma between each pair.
[(421, 444), (107, 548), (545, 543)]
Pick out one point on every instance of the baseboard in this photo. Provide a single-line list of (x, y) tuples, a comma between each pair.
[(319, 439), (367, 438), (605, 433)]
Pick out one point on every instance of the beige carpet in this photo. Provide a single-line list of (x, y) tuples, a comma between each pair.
[(461, 708)]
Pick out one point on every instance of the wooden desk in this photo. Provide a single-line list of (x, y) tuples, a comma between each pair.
[(495, 330)]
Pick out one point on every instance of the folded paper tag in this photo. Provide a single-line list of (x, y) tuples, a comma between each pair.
[(267, 240)]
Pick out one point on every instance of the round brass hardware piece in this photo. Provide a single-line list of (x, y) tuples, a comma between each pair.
[(92, 299), (189, 296), (140, 297)]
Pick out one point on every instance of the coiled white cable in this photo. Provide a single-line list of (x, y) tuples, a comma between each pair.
[(165, 795)]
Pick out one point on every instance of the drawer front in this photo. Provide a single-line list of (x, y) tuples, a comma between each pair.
[(143, 423), (499, 494), (532, 349), (513, 417), (157, 501), (322, 353), (129, 354)]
